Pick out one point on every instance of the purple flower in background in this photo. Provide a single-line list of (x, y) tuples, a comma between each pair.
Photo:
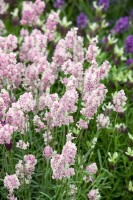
[(59, 3), (131, 14), (9, 146), (2, 122), (105, 40), (82, 20), (129, 44), (104, 3), (121, 25), (129, 61)]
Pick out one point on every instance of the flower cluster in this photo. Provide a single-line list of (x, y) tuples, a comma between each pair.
[(92, 51), (47, 137), (6, 132), (24, 169), (11, 182), (26, 103), (33, 47), (73, 191), (129, 44), (16, 118), (32, 11), (103, 121), (9, 43), (119, 101), (47, 152), (104, 4), (60, 163), (4, 102), (59, 111), (38, 123), (94, 195), (121, 25), (94, 92), (10, 70), (59, 3), (22, 145), (51, 24), (92, 168), (47, 84), (82, 20)]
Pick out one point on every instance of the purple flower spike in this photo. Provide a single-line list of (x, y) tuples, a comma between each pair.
[(9, 146), (82, 20), (59, 3), (129, 44), (129, 62), (121, 25), (104, 3)]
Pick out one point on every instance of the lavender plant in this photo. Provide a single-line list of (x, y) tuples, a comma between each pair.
[(63, 126)]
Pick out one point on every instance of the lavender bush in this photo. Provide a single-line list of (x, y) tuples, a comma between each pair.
[(65, 101)]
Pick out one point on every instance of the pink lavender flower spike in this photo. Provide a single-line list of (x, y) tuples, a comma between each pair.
[(92, 168), (119, 101), (61, 163), (94, 195), (47, 152), (31, 12), (11, 182)]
